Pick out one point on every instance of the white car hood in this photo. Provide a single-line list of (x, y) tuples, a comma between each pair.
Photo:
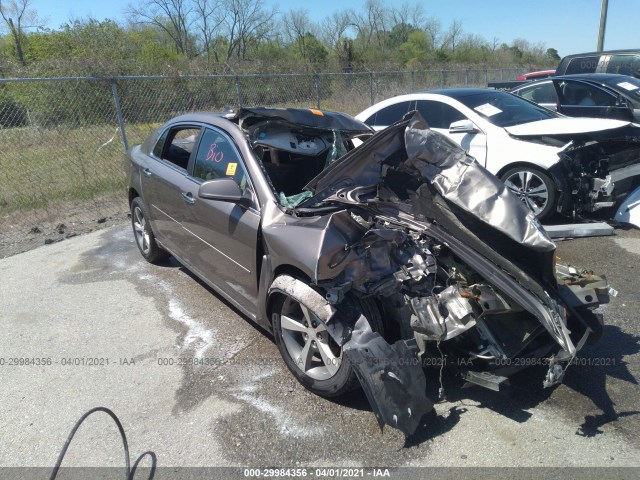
[(564, 126)]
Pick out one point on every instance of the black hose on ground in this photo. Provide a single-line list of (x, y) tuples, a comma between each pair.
[(129, 472)]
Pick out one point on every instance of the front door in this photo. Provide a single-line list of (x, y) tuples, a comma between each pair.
[(224, 234)]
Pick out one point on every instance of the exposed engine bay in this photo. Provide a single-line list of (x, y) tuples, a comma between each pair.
[(456, 265), (596, 171)]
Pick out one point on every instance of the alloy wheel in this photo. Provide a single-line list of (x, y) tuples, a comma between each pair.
[(140, 229), (530, 188), (307, 341)]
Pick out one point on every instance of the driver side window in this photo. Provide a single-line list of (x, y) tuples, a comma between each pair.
[(217, 157), (438, 114), (586, 95)]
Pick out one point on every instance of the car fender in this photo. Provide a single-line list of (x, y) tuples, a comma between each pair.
[(509, 152)]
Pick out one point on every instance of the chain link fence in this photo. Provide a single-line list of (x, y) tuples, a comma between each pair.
[(63, 139)]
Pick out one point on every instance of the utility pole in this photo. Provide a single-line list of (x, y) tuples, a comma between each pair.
[(603, 24)]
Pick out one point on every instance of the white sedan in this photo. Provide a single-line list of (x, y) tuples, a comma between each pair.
[(516, 140)]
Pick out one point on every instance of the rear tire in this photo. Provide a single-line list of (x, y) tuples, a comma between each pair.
[(145, 239)]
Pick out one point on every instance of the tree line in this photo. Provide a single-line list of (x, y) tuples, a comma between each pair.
[(180, 36)]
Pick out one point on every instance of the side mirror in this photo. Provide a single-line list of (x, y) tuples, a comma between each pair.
[(225, 190), (463, 126)]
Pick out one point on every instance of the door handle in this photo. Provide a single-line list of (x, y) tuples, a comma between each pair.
[(187, 197), (146, 172)]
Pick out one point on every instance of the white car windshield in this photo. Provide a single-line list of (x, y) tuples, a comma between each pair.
[(505, 110)]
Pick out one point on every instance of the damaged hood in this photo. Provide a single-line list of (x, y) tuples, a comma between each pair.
[(308, 118), (564, 126), (424, 156)]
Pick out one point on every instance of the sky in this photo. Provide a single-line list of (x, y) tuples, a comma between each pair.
[(569, 26)]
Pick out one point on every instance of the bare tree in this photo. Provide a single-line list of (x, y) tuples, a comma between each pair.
[(18, 17), (210, 15), (296, 25), (405, 19), (433, 29), (247, 22), (408, 14), (495, 43), (372, 24), (453, 34), (334, 27), (171, 16)]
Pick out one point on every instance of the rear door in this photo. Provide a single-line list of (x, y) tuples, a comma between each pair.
[(165, 184)]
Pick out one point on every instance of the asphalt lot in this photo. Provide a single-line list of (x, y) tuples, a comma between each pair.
[(93, 299)]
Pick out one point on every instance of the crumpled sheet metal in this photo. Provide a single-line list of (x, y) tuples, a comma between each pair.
[(468, 185), (391, 375)]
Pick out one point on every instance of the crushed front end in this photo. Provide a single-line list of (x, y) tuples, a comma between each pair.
[(598, 171), (459, 268)]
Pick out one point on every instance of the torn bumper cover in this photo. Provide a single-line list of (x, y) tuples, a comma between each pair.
[(391, 375)]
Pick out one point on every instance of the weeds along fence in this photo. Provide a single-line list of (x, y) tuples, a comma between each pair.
[(63, 139)]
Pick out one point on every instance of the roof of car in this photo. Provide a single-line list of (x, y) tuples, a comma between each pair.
[(606, 52), (597, 77), (459, 92)]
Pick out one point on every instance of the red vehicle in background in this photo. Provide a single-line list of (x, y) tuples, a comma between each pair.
[(536, 75)]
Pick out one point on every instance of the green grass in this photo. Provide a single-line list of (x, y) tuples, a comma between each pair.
[(45, 167)]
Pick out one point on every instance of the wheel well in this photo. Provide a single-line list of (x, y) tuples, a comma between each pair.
[(521, 164), (284, 270), (372, 308), (132, 194)]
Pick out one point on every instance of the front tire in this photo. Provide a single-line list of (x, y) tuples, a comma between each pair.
[(534, 187), (308, 350), (145, 239)]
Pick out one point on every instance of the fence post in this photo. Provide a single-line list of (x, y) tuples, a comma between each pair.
[(442, 80), (466, 77), (238, 92), (316, 81), (371, 98), (116, 101)]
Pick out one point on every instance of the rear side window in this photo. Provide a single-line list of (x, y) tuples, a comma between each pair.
[(389, 115), (217, 157), (157, 150), (583, 65), (581, 94), (624, 64), (178, 145)]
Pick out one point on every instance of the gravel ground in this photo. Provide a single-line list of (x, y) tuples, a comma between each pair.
[(92, 299)]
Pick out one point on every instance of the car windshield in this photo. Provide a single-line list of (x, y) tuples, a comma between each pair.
[(505, 110), (628, 85)]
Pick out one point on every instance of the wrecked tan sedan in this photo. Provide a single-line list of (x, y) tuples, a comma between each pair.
[(362, 261)]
